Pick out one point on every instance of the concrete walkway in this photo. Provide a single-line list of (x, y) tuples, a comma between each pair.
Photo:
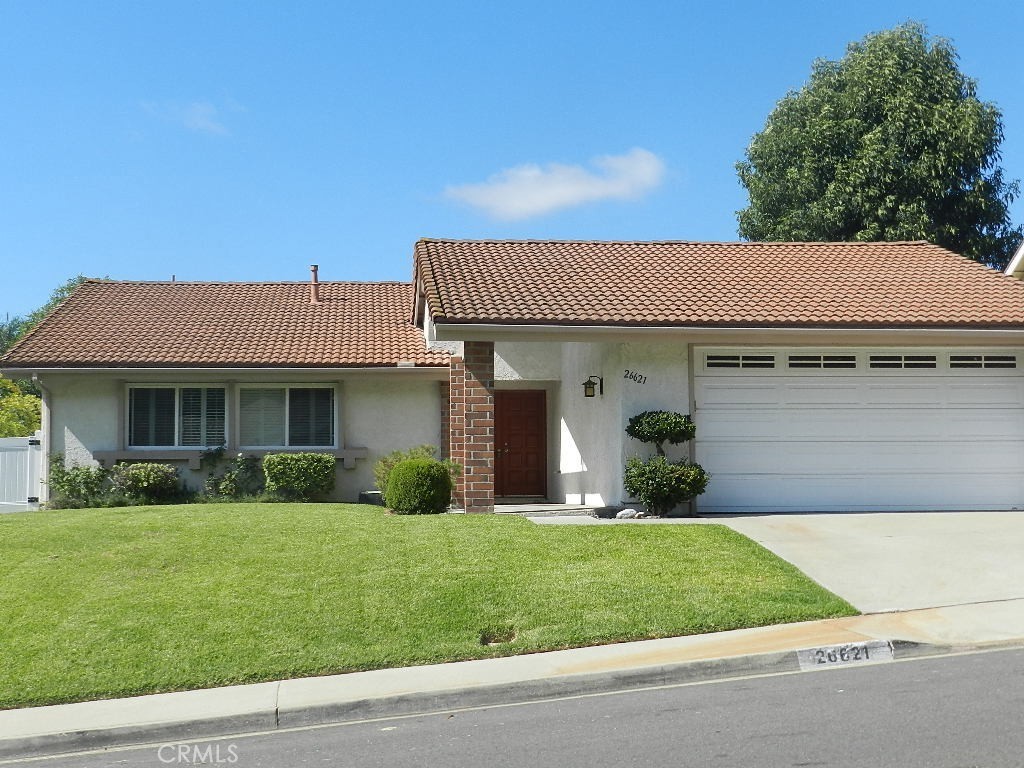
[(169, 717)]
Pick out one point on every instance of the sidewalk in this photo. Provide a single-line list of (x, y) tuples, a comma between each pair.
[(339, 698)]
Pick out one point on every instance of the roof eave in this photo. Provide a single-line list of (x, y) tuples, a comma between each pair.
[(391, 369), (730, 334)]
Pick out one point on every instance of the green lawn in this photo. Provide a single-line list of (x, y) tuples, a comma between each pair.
[(113, 602)]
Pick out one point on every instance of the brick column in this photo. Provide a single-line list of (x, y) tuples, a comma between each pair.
[(471, 416)]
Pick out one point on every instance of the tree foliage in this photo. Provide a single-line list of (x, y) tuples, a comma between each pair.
[(20, 406), (19, 411), (889, 143), (13, 328)]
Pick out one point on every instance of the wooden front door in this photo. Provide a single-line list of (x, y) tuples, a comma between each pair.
[(520, 443)]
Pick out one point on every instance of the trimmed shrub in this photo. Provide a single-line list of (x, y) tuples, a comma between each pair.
[(661, 485), (382, 468), (419, 487), (145, 482), (299, 476), (661, 427)]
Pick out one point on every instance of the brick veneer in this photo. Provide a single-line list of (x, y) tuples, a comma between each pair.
[(471, 425)]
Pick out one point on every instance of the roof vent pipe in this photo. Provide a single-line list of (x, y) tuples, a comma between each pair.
[(314, 285)]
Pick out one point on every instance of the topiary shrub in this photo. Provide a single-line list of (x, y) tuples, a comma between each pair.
[(145, 482), (419, 487), (659, 484), (662, 485), (661, 427), (299, 476)]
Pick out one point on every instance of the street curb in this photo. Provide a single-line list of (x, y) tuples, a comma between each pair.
[(427, 702), (541, 688), (76, 741)]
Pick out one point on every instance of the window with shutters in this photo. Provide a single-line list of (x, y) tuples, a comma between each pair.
[(176, 416), (286, 417)]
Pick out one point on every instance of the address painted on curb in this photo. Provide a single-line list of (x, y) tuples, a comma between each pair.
[(841, 655)]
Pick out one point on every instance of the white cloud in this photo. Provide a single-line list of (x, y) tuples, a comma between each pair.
[(531, 190), (198, 116), (202, 116)]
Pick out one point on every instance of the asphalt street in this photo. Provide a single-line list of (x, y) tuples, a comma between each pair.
[(941, 712)]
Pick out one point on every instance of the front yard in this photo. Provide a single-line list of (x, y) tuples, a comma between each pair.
[(113, 602)]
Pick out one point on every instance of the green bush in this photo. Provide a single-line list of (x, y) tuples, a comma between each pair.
[(145, 482), (419, 487), (74, 487), (240, 478), (661, 485), (382, 469), (299, 476), (661, 427)]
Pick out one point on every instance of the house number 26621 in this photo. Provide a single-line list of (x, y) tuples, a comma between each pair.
[(639, 378)]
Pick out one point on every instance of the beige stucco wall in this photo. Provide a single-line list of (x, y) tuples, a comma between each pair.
[(83, 416), (591, 446), (526, 361), (381, 412), (385, 415)]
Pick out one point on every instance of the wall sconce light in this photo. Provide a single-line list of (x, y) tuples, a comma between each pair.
[(591, 387)]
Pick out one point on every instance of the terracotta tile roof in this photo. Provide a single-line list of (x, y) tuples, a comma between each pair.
[(852, 285), (204, 325)]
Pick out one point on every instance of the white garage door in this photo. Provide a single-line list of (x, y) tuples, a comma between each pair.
[(860, 429)]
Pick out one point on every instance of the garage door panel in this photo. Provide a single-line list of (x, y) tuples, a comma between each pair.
[(818, 425), (985, 394), (984, 424), (980, 457), (917, 395), (763, 492), (732, 457), (822, 393), (862, 493), (733, 392), (879, 425), (743, 424)]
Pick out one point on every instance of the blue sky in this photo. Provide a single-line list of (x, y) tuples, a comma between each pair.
[(247, 140)]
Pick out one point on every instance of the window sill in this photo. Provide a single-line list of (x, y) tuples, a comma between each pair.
[(194, 457)]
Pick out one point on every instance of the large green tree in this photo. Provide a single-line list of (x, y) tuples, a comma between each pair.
[(889, 143), (13, 328), (19, 400)]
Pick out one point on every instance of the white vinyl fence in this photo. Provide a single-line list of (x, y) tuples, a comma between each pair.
[(21, 466)]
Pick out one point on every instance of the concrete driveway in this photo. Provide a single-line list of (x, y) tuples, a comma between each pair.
[(900, 560)]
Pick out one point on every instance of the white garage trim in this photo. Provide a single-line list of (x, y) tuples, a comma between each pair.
[(860, 429)]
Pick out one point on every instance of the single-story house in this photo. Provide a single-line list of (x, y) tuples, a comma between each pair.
[(821, 376), (162, 371)]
